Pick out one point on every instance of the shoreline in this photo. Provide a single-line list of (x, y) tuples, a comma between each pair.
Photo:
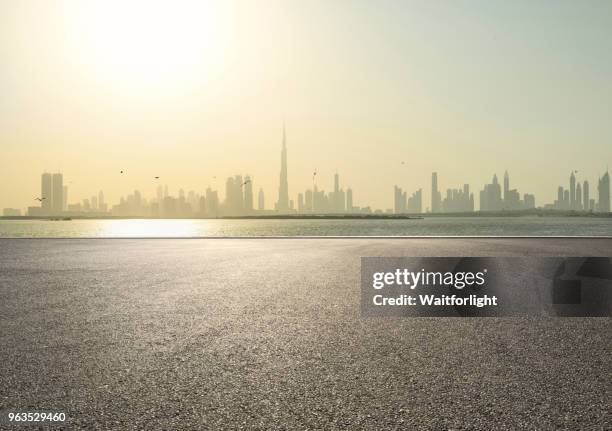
[(509, 214)]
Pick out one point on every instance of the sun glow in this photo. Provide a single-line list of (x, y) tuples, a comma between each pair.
[(152, 43)]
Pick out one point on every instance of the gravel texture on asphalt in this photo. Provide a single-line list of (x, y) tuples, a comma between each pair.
[(267, 334)]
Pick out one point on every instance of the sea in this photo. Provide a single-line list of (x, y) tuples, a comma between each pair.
[(531, 226)]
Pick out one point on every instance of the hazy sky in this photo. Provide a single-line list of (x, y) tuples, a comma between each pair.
[(192, 90)]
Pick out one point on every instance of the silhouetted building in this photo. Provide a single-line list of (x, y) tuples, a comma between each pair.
[(458, 200), (585, 196), (58, 193), (337, 197), (349, 200), (261, 204), (436, 198), (234, 199), (491, 196), (572, 191), (399, 200), (529, 201), (512, 201), (212, 203), (415, 202), (101, 202), (506, 185), (283, 189), (403, 204), (248, 195), (603, 190), (46, 193), (308, 200)]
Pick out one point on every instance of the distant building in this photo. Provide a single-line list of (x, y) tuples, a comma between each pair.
[(399, 200), (283, 189), (436, 198), (65, 199), (458, 200), (349, 200), (337, 198), (58, 193), (578, 202), (507, 187), (529, 201), (415, 202), (46, 193), (403, 204), (572, 191), (212, 203), (11, 212), (261, 204), (491, 196), (248, 195), (603, 190)]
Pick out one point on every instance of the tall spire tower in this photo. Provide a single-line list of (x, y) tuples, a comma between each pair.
[(283, 188)]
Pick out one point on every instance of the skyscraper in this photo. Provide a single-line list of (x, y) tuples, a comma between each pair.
[(578, 204), (349, 200), (506, 186), (234, 196), (283, 189), (585, 195), (491, 196), (399, 200), (436, 198), (212, 203), (337, 197), (248, 195), (572, 191), (603, 189), (260, 200), (65, 199), (46, 193), (58, 193)]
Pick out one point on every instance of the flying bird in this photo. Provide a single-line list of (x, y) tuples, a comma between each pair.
[(121, 172), (246, 182), (157, 178), (40, 199)]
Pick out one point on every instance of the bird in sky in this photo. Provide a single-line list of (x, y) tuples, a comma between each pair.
[(121, 172), (246, 182), (157, 178), (40, 199)]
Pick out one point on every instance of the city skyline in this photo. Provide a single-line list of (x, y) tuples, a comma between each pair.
[(238, 199), (465, 88)]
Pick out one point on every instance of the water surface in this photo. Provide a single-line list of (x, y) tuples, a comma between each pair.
[(434, 226)]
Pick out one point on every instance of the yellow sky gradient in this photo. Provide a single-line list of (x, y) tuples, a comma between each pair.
[(194, 90)]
